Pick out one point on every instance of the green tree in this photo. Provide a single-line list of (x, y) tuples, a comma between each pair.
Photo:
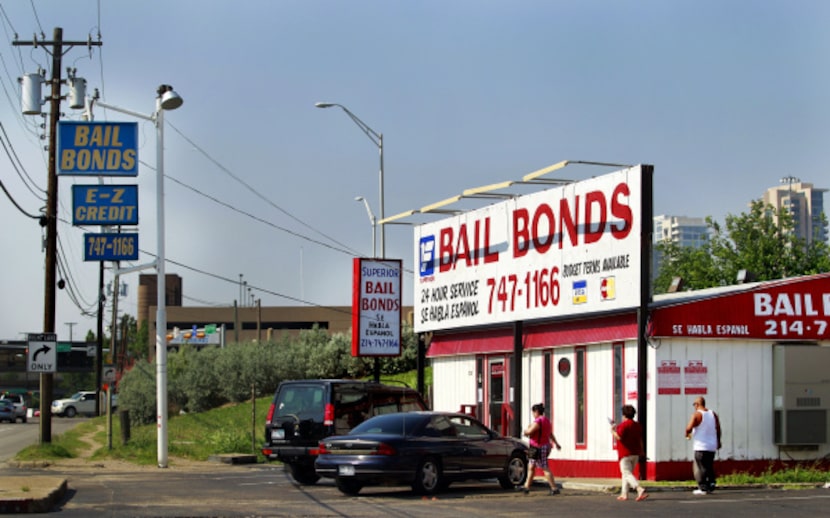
[(760, 241)]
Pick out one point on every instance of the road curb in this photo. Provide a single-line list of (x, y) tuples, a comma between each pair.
[(30, 494)]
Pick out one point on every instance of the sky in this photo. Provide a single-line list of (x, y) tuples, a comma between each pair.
[(723, 98)]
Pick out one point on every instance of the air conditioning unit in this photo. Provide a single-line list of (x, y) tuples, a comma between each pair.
[(801, 394)]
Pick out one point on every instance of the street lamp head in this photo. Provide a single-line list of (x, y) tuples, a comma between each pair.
[(358, 198), (170, 100), (324, 105)]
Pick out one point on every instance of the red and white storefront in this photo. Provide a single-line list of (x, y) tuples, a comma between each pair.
[(716, 343), (541, 298)]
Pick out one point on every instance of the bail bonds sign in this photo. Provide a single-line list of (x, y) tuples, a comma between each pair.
[(570, 250), (376, 307), (97, 148)]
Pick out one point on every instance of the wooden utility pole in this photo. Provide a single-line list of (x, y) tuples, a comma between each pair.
[(50, 218)]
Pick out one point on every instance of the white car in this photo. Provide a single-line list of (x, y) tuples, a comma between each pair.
[(79, 403)]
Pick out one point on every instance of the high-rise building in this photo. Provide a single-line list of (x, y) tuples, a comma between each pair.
[(805, 203), (682, 230)]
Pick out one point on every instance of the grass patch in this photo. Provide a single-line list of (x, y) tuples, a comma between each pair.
[(235, 428)]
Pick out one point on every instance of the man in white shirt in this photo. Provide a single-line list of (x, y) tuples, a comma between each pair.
[(704, 426)]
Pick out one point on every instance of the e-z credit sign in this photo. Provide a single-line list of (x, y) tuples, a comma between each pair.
[(111, 247), (97, 148), (105, 205)]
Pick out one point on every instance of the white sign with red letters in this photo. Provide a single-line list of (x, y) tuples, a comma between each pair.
[(570, 250)]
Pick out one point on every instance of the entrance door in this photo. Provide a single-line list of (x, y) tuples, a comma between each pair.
[(495, 392)]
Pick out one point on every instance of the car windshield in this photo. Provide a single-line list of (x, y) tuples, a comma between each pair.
[(6, 403), (393, 424), (301, 399), (77, 395)]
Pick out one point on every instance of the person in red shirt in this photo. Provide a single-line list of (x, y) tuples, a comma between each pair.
[(629, 436)]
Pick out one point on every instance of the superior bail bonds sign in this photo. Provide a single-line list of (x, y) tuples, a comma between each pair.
[(569, 250), (376, 307)]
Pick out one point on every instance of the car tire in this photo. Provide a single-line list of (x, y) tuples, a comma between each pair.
[(428, 478), (515, 473), (349, 487), (304, 474), (70, 411)]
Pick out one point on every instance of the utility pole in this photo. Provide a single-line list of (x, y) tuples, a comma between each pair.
[(50, 218), (70, 325)]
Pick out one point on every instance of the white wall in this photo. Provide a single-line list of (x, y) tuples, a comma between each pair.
[(739, 390), (453, 379)]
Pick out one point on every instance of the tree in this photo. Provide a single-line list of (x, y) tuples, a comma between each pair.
[(761, 241)]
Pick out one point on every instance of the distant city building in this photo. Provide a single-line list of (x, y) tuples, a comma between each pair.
[(685, 231), (805, 203)]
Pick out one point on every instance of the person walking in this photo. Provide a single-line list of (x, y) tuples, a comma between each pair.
[(540, 433), (629, 436), (704, 427)]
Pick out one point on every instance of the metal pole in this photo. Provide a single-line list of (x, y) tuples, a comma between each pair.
[(382, 226), (161, 292)]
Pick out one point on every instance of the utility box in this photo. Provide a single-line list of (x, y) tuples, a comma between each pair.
[(801, 394)]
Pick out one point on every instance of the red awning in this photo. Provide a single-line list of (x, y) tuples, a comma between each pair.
[(571, 332), (580, 332)]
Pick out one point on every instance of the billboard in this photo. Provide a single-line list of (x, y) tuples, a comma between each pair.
[(376, 307), (566, 251), (105, 205), (111, 246), (88, 148)]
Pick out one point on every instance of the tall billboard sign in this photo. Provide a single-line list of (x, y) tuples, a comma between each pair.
[(88, 148), (376, 307), (566, 251)]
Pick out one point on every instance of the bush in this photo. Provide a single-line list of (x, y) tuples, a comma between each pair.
[(198, 380)]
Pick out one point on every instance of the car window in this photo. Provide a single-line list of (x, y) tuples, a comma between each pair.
[(468, 428), (396, 424), (440, 426), (301, 399)]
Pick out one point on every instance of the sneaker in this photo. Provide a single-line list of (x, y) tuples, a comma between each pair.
[(553, 492), (699, 492)]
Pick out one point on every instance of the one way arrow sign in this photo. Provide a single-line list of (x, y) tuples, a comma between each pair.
[(43, 352)]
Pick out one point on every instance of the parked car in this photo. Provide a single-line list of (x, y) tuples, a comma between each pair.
[(304, 412), (79, 403), (7, 412), (19, 404), (426, 450)]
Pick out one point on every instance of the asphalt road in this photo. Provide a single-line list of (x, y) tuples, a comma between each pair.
[(223, 490), (266, 490), (16, 436)]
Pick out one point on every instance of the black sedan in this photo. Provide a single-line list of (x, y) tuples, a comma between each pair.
[(427, 450)]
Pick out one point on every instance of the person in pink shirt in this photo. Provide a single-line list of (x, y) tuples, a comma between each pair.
[(540, 433)]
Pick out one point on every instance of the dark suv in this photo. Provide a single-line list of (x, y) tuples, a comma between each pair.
[(304, 412)]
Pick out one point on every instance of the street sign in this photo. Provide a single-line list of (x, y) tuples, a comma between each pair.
[(108, 375), (89, 148), (111, 247), (43, 352), (105, 205)]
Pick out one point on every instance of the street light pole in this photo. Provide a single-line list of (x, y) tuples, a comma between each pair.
[(377, 139), (372, 221), (166, 99)]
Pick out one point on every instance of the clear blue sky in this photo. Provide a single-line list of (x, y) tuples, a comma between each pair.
[(723, 98)]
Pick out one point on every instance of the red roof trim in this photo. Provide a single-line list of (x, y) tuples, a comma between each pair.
[(580, 332), (490, 341), (571, 332)]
